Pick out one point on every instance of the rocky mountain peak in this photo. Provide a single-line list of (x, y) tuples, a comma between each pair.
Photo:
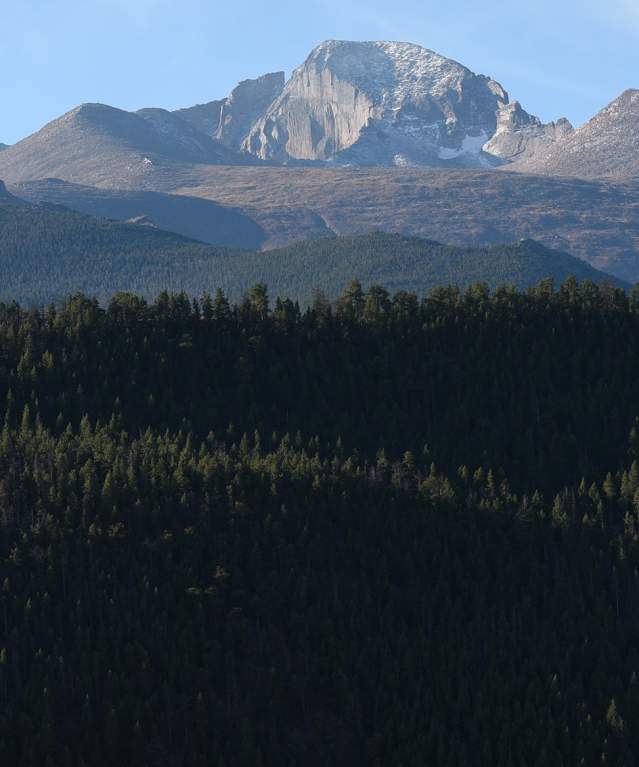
[(388, 103), (246, 104)]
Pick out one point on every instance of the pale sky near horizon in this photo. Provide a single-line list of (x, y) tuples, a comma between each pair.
[(559, 58)]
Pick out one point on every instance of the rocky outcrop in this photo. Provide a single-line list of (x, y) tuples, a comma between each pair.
[(607, 145), (181, 133), (382, 103), (229, 120), (204, 117), (248, 101), (521, 136)]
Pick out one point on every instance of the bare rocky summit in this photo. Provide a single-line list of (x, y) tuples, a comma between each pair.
[(387, 103), (606, 146)]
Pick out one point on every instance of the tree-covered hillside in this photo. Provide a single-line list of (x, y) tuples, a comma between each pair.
[(399, 531), (408, 263), (47, 252)]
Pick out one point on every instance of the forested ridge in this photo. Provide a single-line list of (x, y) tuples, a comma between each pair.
[(389, 531), (48, 252)]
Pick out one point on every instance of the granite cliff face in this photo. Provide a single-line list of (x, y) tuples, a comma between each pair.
[(385, 103), (606, 146), (229, 120), (246, 104)]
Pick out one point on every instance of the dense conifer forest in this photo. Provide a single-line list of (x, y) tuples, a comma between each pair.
[(392, 531), (48, 251)]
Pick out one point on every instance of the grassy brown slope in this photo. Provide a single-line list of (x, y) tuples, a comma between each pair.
[(597, 221)]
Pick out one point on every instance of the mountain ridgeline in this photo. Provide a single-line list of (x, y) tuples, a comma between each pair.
[(355, 103), (47, 252)]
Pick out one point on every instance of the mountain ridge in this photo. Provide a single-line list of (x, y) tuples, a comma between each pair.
[(363, 103), (607, 145)]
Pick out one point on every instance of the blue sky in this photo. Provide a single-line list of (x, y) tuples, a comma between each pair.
[(558, 57)]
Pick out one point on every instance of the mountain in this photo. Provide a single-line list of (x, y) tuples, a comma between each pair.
[(607, 145), (98, 144), (5, 196), (3, 146), (47, 252), (229, 120), (350, 103), (386, 103)]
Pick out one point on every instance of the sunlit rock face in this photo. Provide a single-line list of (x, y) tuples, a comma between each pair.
[(382, 103), (246, 104)]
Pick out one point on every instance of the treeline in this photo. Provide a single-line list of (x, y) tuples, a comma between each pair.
[(389, 532)]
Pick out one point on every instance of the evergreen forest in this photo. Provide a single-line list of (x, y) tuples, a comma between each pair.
[(48, 252), (388, 531)]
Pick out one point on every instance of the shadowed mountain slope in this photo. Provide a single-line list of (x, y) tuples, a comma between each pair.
[(193, 217)]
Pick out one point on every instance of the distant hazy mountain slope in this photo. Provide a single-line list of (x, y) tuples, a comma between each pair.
[(3, 146), (192, 217), (383, 103), (97, 144), (607, 145), (229, 120)]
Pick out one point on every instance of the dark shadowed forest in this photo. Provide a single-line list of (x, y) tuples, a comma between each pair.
[(388, 531)]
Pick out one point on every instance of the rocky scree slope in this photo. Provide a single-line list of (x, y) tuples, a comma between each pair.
[(607, 145)]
